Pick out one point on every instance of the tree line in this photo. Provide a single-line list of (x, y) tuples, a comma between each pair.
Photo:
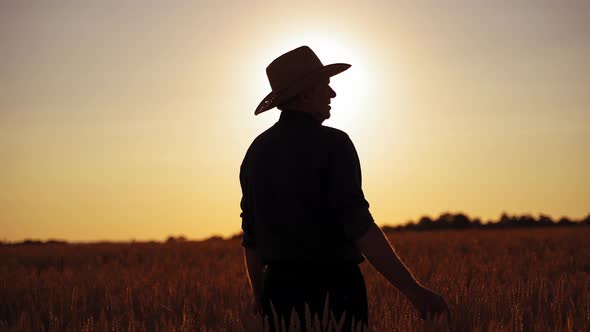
[(462, 221), (446, 221)]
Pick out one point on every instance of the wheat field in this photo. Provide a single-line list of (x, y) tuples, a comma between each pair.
[(500, 280)]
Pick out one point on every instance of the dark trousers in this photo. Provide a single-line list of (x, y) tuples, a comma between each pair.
[(292, 285)]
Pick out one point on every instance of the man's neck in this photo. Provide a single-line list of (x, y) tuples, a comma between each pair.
[(305, 112)]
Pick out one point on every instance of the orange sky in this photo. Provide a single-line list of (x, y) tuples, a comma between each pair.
[(129, 120)]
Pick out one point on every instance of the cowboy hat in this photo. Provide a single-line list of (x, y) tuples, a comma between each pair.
[(292, 72)]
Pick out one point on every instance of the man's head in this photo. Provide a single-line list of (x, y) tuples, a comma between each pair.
[(300, 81), (314, 100)]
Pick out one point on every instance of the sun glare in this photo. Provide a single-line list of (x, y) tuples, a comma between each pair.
[(352, 86)]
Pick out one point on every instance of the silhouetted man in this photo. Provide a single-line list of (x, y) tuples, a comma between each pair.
[(305, 219)]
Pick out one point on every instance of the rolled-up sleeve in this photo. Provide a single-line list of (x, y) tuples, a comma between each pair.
[(346, 195), (246, 214)]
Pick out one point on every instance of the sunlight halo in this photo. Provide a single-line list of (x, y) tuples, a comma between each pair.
[(352, 86)]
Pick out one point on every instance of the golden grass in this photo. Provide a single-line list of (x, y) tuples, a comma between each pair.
[(506, 280)]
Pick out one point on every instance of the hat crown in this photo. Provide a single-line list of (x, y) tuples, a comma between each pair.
[(291, 67)]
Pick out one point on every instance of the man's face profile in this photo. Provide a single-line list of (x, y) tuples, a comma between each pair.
[(319, 100)]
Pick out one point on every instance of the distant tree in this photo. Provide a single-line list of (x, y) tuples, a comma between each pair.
[(172, 239), (545, 220), (565, 221), (237, 236), (445, 220), (425, 223), (31, 242), (526, 220), (505, 220), (460, 221), (411, 225), (476, 222), (52, 241)]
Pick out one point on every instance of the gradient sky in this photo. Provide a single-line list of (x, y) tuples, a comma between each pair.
[(129, 119)]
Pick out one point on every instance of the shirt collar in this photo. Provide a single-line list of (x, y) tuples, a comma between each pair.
[(297, 117)]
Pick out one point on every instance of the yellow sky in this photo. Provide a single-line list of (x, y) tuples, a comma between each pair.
[(129, 120)]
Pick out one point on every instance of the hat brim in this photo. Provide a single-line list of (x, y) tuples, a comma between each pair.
[(275, 98)]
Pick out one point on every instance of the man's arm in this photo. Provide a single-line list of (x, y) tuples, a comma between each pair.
[(254, 267), (379, 252), (352, 210), (252, 259)]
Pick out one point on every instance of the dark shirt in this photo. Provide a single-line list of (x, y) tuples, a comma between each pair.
[(301, 193)]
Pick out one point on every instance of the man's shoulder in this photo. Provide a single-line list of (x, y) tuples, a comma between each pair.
[(334, 131), (329, 136), (335, 134), (263, 136), (260, 139), (327, 132)]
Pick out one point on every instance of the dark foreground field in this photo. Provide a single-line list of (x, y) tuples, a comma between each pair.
[(511, 280)]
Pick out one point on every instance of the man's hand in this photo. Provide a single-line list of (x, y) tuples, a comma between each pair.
[(428, 303), (380, 253)]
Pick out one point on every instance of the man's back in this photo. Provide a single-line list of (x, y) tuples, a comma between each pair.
[(302, 196), (305, 218)]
